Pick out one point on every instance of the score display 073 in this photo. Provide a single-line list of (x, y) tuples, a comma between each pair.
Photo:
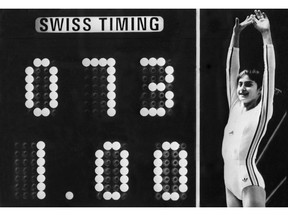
[(157, 93)]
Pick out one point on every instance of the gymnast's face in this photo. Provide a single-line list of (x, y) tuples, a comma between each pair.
[(248, 91)]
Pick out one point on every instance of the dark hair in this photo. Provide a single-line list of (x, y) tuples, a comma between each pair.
[(254, 75)]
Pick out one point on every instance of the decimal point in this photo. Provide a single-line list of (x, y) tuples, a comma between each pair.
[(69, 195)]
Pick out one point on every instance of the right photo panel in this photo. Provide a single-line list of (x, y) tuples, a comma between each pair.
[(244, 123)]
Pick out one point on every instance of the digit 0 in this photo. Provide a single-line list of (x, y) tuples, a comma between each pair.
[(111, 171), (41, 87), (170, 171)]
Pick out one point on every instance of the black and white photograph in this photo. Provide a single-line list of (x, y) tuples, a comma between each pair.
[(143, 107)]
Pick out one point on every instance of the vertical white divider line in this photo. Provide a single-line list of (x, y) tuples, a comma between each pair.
[(197, 150)]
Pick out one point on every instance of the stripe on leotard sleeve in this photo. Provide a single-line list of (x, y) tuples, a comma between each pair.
[(262, 125)]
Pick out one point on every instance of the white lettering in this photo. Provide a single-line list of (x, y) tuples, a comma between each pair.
[(99, 24)]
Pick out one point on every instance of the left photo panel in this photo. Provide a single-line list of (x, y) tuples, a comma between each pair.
[(97, 107)]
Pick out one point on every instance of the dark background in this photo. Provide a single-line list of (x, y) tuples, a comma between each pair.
[(71, 138), (216, 31)]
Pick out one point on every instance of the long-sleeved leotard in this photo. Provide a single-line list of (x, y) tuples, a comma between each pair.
[(245, 129)]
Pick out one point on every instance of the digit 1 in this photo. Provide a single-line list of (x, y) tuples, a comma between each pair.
[(29, 171)]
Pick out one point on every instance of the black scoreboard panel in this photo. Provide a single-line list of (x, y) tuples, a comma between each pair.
[(97, 119)]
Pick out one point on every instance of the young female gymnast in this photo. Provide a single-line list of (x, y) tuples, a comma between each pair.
[(250, 98)]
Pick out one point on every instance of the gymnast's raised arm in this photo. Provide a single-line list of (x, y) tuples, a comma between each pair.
[(262, 24), (233, 62)]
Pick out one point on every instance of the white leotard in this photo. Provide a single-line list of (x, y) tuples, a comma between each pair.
[(245, 129)]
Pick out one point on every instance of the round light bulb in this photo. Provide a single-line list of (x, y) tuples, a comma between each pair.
[(144, 62), (29, 70), (111, 70), (86, 62), (144, 112), (37, 62), (124, 154), (53, 70), (69, 195), (116, 146), (94, 62), (152, 61), (45, 62), (161, 61), (169, 70), (111, 62)]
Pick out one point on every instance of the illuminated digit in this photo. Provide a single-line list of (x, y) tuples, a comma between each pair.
[(101, 73), (29, 171), (170, 172), (41, 87), (157, 96), (41, 170), (112, 182)]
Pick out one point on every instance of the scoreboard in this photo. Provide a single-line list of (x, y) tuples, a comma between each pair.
[(97, 107)]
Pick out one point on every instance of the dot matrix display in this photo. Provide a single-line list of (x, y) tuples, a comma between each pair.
[(81, 113), (41, 87), (100, 86), (29, 170), (41, 169), (112, 171), (157, 79), (170, 171)]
